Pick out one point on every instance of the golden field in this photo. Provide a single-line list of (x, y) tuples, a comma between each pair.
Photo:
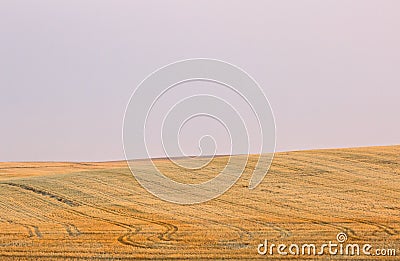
[(98, 211)]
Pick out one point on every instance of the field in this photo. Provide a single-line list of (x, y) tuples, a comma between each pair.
[(97, 211)]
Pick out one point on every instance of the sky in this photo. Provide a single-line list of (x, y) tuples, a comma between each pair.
[(330, 69)]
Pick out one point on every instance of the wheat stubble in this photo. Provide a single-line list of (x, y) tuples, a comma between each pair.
[(98, 211)]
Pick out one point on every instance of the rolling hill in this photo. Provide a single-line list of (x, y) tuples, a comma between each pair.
[(97, 211)]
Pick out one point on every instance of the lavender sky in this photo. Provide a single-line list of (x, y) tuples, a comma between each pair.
[(330, 69)]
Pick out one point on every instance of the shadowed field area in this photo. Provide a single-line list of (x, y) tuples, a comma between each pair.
[(98, 211)]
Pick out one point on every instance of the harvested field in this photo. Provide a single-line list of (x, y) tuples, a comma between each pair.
[(98, 211)]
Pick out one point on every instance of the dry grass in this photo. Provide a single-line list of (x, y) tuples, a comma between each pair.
[(98, 211)]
